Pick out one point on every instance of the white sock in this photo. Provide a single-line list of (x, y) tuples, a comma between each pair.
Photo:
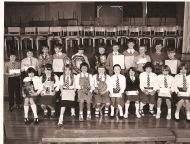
[(120, 110), (26, 109), (88, 112), (112, 111), (137, 107), (62, 111), (126, 107), (106, 110), (72, 111), (169, 111), (151, 106), (158, 110), (141, 105), (81, 112), (34, 110)]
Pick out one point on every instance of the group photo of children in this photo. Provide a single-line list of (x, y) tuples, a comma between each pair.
[(105, 87)]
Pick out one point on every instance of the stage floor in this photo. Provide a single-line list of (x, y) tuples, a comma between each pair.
[(16, 132)]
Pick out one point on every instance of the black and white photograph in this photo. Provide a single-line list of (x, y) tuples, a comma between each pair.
[(95, 72)]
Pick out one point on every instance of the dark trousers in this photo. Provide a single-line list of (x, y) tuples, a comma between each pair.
[(14, 89)]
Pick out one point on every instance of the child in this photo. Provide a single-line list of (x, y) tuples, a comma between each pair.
[(117, 87), (182, 89), (84, 85), (12, 70), (130, 53), (158, 57), (132, 91), (50, 84), (100, 57), (78, 58), (101, 82), (68, 89), (165, 89), (44, 58), (148, 86), (60, 59), (109, 60), (141, 59), (31, 90)]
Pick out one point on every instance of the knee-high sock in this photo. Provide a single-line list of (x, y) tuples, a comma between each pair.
[(141, 105), (26, 109), (126, 107), (73, 111), (151, 106), (137, 107), (62, 111), (112, 111), (34, 110), (120, 110)]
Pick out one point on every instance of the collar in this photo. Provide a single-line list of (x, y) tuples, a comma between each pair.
[(130, 51), (115, 53), (86, 75)]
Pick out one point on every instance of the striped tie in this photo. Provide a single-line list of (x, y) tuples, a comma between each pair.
[(165, 82), (148, 81), (67, 83), (184, 82), (117, 84), (13, 65)]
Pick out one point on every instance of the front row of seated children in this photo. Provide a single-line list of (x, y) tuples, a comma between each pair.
[(104, 91)]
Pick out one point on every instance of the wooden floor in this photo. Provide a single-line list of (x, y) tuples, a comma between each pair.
[(16, 132)]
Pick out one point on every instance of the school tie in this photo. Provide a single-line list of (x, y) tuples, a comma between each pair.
[(13, 65), (184, 82), (148, 80), (117, 84), (165, 82), (67, 83)]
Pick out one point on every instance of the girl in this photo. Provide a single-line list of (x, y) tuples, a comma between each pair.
[(101, 81), (132, 91), (84, 85), (165, 89), (31, 89), (117, 86), (50, 84), (68, 89), (148, 86), (182, 89)]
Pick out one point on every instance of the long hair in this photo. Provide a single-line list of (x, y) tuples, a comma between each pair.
[(105, 75), (166, 68), (133, 69), (181, 67), (44, 77), (67, 66)]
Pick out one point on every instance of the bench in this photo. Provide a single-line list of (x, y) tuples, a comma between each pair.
[(110, 135), (182, 136)]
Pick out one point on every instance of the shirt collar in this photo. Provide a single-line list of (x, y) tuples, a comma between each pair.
[(115, 53), (130, 51)]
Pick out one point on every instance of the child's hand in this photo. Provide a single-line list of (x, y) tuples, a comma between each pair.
[(146, 92), (152, 92), (96, 91)]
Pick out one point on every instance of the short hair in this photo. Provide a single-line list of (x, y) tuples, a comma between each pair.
[(45, 46), (102, 66), (48, 66), (29, 50), (58, 46), (159, 42), (131, 40), (31, 70), (143, 46), (169, 50), (116, 65), (115, 44), (80, 47), (181, 67), (166, 68), (148, 64), (84, 64), (12, 53)]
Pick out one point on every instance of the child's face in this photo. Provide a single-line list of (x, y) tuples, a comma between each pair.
[(101, 71), (31, 75), (148, 70), (57, 50), (131, 45), (29, 54), (47, 72), (158, 48), (131, 72), (183, 71), (142, 50), (171, 55), (117, 70), (67, 71), (84, 69), (115, 48), (81, 51), (12, 58), (45, 50), (101, 50), (165, 72)]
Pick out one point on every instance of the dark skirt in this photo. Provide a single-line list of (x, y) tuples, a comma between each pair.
[(104, 98), (67, 103), (150, 99), (115, 101), (48, 100), (132, 98), (182, 98)]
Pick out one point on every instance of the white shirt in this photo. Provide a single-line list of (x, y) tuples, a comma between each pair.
[(131, 51), (29, 62), (82, 75), (112, 84), (85, 58), (62, 83), (161, 83), (115, 53), (143, 81), (95, 82), (56, 84), (36, 82)]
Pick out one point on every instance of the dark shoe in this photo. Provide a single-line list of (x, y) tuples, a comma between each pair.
[(120, 117), (36, 121), (11, 109), (151, 112), (26, 121), (111, 117), (141, 112)]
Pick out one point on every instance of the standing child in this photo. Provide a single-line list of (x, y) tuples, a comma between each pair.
[(117, 87), (132, 91), (50, 84), (101, 82), (44, 59), (12, 70), (165, 89), (148, 86), (182, 89), (31, 90), (67, 87), (84, 85)]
